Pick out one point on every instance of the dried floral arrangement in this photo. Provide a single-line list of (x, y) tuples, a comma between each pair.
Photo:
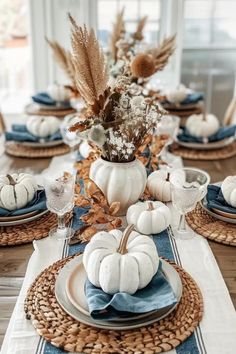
[(64, 59), (118, 118)]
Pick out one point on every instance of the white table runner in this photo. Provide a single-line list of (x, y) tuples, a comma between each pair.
[(217, 332)]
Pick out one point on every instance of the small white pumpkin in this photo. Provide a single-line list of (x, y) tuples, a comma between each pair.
[(16, 190), (228, 189), (149, 217), (202, 125), (178, 95), (159, 186), (84, 149), (59, 93), (42, 127), (119, 262)]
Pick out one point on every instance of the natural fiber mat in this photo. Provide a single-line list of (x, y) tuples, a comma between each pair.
[(206, 225), (19, 150), (216, 154), (28, 232), (61, 330), (33, 109)]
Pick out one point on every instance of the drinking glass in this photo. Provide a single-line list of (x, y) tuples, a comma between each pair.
[(169, 125), (70, 138), (188, 187), (60, 200)]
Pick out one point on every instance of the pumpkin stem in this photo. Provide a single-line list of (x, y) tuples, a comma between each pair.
[(150, 206), (11, 180), (168, 177), (123, 243)]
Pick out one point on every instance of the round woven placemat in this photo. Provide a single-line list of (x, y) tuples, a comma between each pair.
[(30, 231), (216, 230), (61, 330), (19, 150), (216, 154), (33, 109)]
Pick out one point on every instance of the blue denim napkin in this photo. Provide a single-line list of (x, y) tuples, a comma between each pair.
[(222, 133), (43, 98), (158, 294), (215, 199), (38, 203), (20, 133)]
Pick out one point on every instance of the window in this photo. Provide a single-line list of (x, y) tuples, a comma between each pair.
[(15, 69)]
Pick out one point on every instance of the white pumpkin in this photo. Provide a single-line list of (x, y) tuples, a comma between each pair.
[(228, 189), (178, 95), (120, 182), (42, 127), (159, 186), (59, 93), (119, 262), (16, 190), (202, 125), (84, 149), (149, 217)]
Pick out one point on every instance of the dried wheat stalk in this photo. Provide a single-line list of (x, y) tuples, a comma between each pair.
[(117, 32), (162, 53), (138, 34), (91, 74)]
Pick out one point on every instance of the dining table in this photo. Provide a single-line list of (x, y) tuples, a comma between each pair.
[(14, 260)]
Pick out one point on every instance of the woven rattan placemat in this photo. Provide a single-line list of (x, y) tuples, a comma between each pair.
[(61, 330), (33, 109), (206, 225), (19, 150), (26, 233), (216, 154)]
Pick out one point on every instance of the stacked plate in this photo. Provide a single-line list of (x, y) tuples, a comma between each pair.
[(207, 146), (41, 144), (21, 219), (69, 291)]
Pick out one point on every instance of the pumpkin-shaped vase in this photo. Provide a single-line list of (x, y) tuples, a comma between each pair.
[(120, 262), (120, 182)]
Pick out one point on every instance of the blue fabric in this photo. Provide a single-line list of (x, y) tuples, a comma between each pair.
[(38, 203), (215, 199), (222, 133), (45, 99), (20, 133), (158, 294)]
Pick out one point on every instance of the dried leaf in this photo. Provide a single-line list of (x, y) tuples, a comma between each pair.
[(117, 33), (114, 208)]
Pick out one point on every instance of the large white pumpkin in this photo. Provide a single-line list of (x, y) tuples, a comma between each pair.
[(201, 125), (120, 182), (16, 190), (119, 262), (228, 189), (42, 127), (59, 93), (159, 186), (149, 217), (178, 95)]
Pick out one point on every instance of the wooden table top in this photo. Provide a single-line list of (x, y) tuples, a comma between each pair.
[(13, 263)]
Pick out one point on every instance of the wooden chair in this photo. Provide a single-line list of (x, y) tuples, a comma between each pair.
[(2, 124), (230, 113)]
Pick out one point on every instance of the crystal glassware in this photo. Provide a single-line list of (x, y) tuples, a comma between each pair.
[(169, 126), (70, 138), (60, 200), (188, 187)]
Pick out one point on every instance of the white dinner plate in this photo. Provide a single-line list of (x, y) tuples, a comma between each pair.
[(80, 311), (42, 144), (207, 146), (24, 219)]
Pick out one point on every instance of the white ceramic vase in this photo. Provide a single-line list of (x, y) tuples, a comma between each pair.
[(120, 182)]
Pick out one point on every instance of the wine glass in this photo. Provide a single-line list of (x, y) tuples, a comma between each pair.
[(60, 200), (188, 187), (70, 138), (169, 126)]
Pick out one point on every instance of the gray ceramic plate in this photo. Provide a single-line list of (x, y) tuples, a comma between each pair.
[(208, 146), (130, 323), (24, 219)]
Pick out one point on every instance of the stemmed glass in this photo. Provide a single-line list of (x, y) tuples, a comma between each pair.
[(169, 125), (70, 138), (188, 187), (60, 200)]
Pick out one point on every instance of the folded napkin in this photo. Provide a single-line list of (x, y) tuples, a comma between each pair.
[(222, 133), (45, 99), (38, 203), (158, 294), (215, 199), (20, 133)]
